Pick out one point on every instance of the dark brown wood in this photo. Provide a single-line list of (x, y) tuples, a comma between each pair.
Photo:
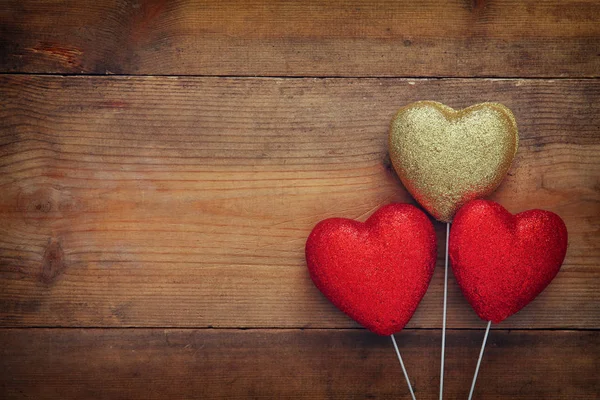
[(282, 364), (180, 202), (173, 202), (457, 38)]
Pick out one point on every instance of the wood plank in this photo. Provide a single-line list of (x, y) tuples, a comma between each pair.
[(310, 364), (457, 38), (174, 202)]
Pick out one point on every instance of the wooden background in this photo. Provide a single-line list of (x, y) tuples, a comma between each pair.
[(162, 163)]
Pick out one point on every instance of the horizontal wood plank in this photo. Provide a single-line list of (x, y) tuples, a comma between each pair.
[(309, 364), (186, 202), (506, 38)]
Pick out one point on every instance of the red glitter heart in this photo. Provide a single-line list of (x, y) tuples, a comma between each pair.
[(378, 271), (502, 262)]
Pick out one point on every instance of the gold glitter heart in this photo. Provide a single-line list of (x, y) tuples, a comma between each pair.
[(447, 157)]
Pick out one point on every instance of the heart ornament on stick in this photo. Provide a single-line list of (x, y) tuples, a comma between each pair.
[(378, 271), (502, 262), (446, 157)]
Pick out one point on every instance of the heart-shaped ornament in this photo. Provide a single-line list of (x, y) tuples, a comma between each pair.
[(502, 262), (377, 271), (446, 157)]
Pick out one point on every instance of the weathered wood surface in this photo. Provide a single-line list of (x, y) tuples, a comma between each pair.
[(186, 202), (278, 364), (507, 38), (174, 202)]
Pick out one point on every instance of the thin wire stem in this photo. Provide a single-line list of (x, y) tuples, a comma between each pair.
[(444, 313), (487, 331), (403, 368)]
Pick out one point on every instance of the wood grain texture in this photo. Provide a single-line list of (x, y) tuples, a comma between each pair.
[(309, 364), (186, 202), (459, 38)]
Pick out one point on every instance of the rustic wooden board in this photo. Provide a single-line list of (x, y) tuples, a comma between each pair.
[(282, 364), (458, 38), (161, 203), (176, 202)]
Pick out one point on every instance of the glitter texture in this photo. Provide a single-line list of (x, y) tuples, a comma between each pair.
[(378, 271), (502, 262), (446, 158)]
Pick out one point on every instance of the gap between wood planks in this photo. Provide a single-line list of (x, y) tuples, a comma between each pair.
[(419, 77), (267, 329)]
